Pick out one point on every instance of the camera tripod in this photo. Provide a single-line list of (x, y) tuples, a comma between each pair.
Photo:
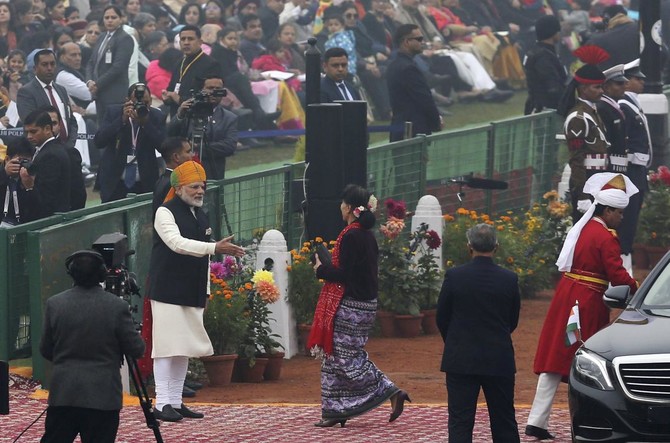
[(142, 394), (199, 140)]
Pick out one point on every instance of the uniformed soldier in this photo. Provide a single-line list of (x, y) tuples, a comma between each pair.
[(545, 74), (613, 117), (583, 128), (639, 156)]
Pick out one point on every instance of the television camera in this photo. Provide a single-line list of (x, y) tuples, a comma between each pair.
[(119, 281), (203, 105)]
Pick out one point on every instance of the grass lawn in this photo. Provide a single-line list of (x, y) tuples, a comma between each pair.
[(462, 115)]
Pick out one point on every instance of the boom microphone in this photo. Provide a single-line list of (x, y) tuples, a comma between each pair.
[(483, 183)]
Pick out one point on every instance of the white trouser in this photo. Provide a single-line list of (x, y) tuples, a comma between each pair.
[(471, 71), (628, 263), (547, 384), (169, 376)]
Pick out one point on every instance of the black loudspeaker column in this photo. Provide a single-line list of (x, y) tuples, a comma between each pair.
[(336, 153)]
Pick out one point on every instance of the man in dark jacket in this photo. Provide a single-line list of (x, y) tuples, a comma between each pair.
[(613, 118), (335, 86), (621, 39), (130, 135), (411, 99), (86, 332), (477, 312), (212, 127), (49, 178), (179, 276), (19, 205), (545, 74)]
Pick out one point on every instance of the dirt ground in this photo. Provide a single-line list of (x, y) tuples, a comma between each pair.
[(413, 364)]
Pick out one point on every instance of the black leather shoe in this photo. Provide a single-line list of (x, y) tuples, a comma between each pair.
[(186, 412), (187, 392), (496, 96), (192, 384), (539, 433), (167, 414)]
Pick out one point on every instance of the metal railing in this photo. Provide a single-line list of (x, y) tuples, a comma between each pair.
[(521, 151)]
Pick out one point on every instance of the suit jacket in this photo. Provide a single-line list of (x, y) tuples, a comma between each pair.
[(85, 333), (161, 190), (477, 311), (410, 97), (111, 78), (330, 92), (32, 96), (116, 140), (52, 188)]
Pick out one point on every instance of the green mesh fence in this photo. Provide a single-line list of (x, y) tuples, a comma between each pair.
[(520, 151)]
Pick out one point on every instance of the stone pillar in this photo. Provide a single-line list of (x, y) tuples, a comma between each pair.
[(429, 211), (273, 247)]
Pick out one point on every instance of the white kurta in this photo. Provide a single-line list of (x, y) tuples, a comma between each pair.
[(179, 330)]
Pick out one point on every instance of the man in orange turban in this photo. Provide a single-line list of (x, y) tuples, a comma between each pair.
[(179, 286)]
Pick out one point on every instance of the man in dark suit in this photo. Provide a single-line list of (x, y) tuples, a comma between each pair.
[(129, 137), (175, 151), (42, 91), (211, 127), (411, 99), (49, 178), (108, 66), (335, 86), (477, 311), (86, 332)]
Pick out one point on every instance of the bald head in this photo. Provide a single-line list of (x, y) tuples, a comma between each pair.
[(70, 55)]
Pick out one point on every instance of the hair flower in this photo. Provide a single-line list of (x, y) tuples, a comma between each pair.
[(372, 203), (358, 210)]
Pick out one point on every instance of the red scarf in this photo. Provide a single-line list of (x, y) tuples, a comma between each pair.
[(321, 334)]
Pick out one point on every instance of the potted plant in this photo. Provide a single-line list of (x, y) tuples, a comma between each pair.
[(260, 291), (398, 286), (654, 224), (224, 321), (423, 242), (304, 287)]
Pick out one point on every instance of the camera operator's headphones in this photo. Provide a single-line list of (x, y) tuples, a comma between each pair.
[(70, 262)]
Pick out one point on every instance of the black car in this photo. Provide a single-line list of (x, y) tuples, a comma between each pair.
[(619, 387)]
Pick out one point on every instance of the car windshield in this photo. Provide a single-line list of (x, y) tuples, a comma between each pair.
[(658, 296)]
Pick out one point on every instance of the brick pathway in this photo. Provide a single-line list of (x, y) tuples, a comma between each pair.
[(273, 423)]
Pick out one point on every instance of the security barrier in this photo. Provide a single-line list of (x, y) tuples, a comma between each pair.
[(521, 151)]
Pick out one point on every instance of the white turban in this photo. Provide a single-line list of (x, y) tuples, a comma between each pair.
[(600, 187)]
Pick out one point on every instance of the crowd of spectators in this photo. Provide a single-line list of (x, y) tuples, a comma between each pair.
[(472, 50)]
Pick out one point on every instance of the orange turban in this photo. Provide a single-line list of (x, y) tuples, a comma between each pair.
[(187, 172)]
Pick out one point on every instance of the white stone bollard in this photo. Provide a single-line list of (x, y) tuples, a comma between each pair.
[(429, 211), (273, 246)]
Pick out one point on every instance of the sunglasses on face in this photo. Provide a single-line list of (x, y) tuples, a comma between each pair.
[(418, 39), (93, 32), (351, 15)]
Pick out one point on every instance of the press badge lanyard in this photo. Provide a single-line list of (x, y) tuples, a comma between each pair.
[(183, 71), (134, 134), (15, 198)]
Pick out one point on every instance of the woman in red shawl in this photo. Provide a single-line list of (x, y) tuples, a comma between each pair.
[(350, 383)]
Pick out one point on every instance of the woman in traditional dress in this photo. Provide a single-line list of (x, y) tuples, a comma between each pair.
[(350, 383)]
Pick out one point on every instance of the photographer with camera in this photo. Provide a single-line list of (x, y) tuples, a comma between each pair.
[(129, 134), (18, 203), (211, 128), (86, 332)]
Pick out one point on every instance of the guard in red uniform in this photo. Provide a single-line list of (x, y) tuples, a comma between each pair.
[(590, 260)]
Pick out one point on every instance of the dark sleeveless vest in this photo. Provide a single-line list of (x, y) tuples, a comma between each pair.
[(176, 278)]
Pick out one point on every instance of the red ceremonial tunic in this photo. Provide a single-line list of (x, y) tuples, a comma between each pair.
[(597, 255)]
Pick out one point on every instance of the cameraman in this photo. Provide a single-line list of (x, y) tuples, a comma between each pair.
[(129, 134), (18, 203), (203, 117), (86, 331)]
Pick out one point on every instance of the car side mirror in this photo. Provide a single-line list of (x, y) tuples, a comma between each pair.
[(617, 297)]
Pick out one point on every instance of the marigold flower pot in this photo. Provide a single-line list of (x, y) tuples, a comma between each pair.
[(273, 368), (428, 323), (386, 323), (219, 368), (408, 326), (252, 374)]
